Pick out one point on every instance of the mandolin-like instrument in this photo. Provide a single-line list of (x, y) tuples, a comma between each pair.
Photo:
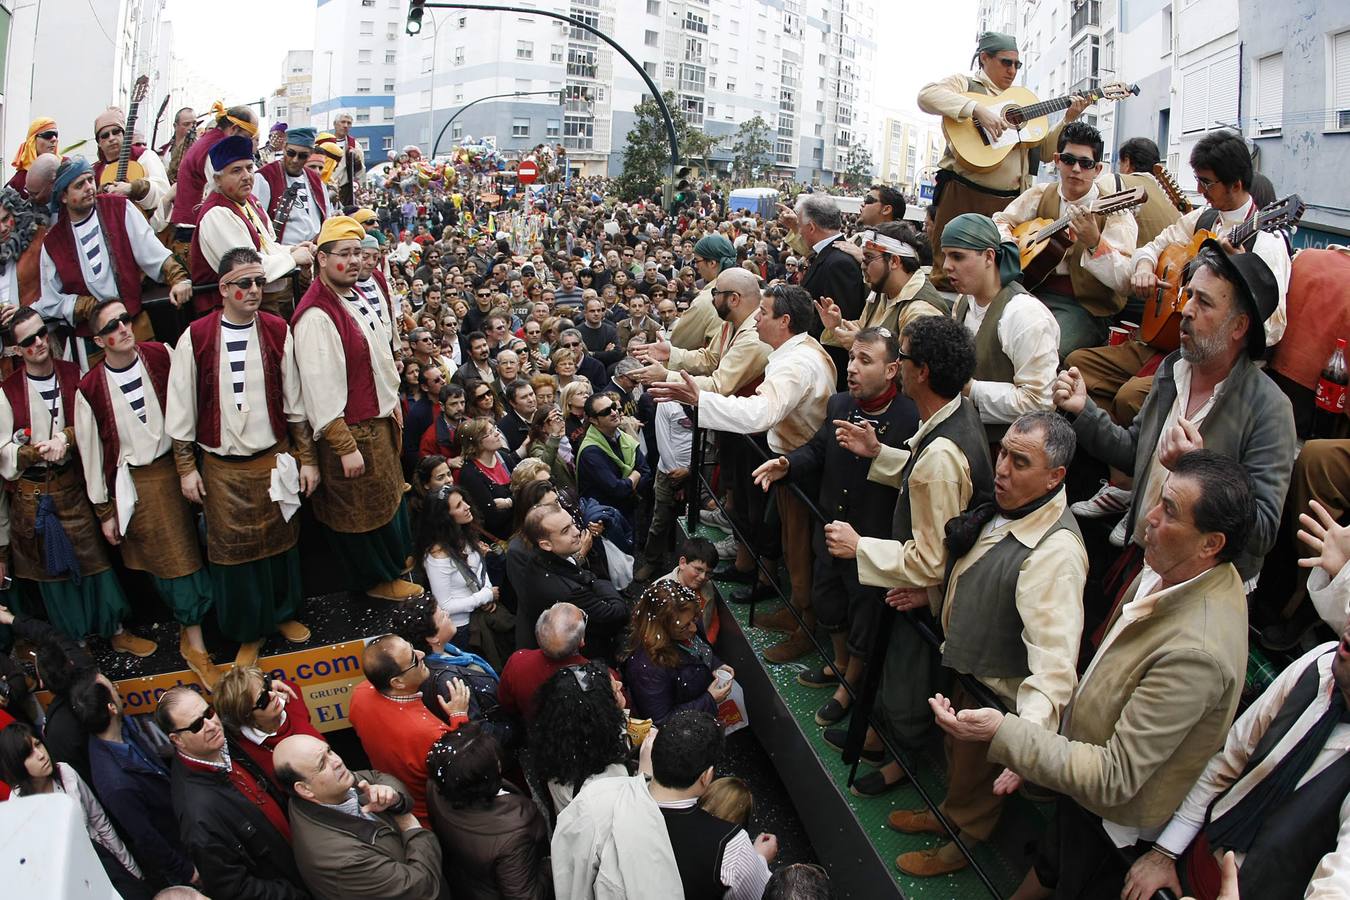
[(128, 169)]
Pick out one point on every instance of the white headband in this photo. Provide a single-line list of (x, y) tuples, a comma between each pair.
[(871, 240)]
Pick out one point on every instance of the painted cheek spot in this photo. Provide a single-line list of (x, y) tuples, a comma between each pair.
[(342, 267), (239, 295)]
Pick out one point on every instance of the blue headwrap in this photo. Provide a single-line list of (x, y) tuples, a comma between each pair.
[(301, 137), (66, 173), (231, 149), (972, 231)]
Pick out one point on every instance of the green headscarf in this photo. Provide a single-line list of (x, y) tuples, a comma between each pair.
[(972, 231), (718, 249), (993, 42)]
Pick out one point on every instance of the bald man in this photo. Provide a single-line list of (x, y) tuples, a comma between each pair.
[(353, 833)]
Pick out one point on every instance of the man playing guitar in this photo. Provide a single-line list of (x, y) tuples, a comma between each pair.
[(1223, 171), (1081, 299), (961, 189)]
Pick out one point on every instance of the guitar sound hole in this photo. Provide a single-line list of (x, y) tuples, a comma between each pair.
[(1013, 115)]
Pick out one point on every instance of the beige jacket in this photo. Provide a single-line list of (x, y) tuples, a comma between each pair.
[(1154, 706), (699, 325)]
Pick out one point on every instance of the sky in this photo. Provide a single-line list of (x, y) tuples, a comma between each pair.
[(917, 42)]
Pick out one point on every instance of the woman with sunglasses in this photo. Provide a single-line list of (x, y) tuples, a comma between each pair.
[(42, 138), (30, 771), (258, 711), (480, 400)]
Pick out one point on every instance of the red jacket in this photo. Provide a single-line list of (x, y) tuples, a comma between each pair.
[(297, 722), (525, 672)]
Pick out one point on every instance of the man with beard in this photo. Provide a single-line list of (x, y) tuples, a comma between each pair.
[(234, 401), (130, 477), (22, 226), (351, 397), (1209, 395), (900, 291), (286, 172), (231, 217), (38, 459), (701, 323), (99, 248), (844, 607)]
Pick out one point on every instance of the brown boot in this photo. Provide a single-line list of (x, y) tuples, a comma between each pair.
[(126, 642), (248, 654), (396, 591), (915, 821), (942, 860), (780, 619), (794, 646), (200, 663), (293, 631)]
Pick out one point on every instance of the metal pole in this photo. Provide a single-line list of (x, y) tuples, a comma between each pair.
[(647, 79), (431, 94), (480, 100)]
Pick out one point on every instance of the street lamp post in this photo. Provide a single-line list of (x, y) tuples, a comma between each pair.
[(452, 119), (431, 93)]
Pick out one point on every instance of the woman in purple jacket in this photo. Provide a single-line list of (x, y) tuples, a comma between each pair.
[(671, 666)]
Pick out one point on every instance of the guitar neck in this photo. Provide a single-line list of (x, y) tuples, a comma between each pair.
[(1045, 107), (124, 158)]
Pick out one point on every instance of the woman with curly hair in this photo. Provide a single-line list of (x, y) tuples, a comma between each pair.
[(580, 732), (494, 842), (671, 666)]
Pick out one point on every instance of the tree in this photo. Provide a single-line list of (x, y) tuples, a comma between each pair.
[(695, 145), (858, 168), (750, 153), (646, 158)]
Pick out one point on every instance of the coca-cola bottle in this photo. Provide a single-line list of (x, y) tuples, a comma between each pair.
[(1329, 414)]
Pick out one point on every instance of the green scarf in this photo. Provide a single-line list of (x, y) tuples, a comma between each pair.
[(972, 231), (628, 446)]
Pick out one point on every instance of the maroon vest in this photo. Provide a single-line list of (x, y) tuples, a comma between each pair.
[(206, 349), (275, 176), (16, 392), (203, 272), (100, 165), (94, 388), (61, 247), (192, 177), (361, 402)]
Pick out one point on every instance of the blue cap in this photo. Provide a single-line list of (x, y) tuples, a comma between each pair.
[(230, 150)]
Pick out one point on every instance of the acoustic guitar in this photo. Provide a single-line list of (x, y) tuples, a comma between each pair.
[(1161, 326), (1026, 118), (1045, 242), (128, 169), (1172, 189)]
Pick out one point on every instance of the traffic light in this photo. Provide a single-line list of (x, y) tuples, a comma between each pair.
[(684, 186), (415, 13)]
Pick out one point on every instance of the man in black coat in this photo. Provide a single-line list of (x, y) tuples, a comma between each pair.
[(845, 607), (551, 576), (233, 823), (831, 272)]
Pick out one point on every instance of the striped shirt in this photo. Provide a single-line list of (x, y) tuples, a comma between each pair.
[(374, 297), (236, 339), (366, 309), (94, 257), (50, 392), (131, 380)]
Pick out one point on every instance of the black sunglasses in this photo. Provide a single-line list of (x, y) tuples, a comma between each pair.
[(248, 282), (115, 323), (301, 155), (115, 131), (868, 201), (32, 338), (47, 135), (1082, 162), (607, 411), (265, 695), (197, 724), (1009, 63)]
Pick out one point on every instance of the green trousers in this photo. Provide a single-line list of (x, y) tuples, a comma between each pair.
[(251, 599), (94, 606), (369, 558), (188, 596)]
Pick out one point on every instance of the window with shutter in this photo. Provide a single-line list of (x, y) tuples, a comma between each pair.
[(1223, 92), (1268, 112), (1194, 100), (1338, 78)]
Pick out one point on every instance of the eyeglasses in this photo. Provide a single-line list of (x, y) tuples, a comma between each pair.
[(572, 345), (248, 282), (1082, 162), (484, 395), (417, 661), (868, 201), (1009, 63), (115, 131), (1204, 183), (197, 724), (265, 695), (607, 411), (115, 323), (46, 135), (301, 155), (32, 338), (900, 354)]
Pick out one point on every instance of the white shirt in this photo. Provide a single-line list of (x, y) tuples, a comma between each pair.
[(1332, 875), (789, 403), (674, 437), (1029, 336), (454, 593), (305, 219), (1331, 596)]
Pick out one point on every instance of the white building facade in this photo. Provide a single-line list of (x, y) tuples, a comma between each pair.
[(355, 69)]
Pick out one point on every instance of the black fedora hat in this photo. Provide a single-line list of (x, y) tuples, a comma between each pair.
[(1256, 290)]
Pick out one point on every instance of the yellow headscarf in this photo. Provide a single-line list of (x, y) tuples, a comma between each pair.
[(340, 228), (220, 112), (28, 150), (328, 144)]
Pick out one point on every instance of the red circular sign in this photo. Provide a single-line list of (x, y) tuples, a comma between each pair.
[(527, 172)]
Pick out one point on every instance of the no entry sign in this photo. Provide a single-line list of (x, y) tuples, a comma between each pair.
[(527, 172)]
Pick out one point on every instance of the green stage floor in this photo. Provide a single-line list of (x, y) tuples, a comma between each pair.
[(1005, 859)]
